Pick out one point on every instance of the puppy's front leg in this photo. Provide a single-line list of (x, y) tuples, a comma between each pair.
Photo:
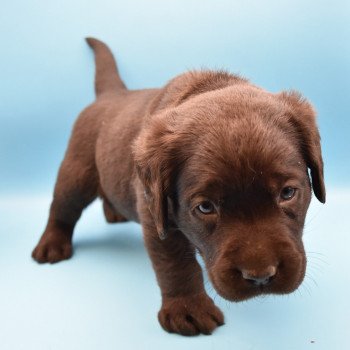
[(186, 308)]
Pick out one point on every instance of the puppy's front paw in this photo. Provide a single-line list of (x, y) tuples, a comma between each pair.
[(190, 315), (52, 249)]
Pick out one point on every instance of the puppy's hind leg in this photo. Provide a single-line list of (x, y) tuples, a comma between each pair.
[(76, 187)]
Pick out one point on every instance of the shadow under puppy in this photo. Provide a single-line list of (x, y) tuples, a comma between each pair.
[(209, 163)]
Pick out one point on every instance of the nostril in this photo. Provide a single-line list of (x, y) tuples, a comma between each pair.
[(261, 278)]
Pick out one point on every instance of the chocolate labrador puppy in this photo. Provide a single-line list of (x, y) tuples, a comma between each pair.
[(209, 163)]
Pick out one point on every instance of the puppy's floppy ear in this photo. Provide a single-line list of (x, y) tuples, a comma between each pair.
[(156, 160), (303, 118)]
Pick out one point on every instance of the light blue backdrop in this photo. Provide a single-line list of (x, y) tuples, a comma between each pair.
[(46, 68), (106, 296)]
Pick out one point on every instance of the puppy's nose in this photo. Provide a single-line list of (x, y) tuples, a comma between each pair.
[(260, 278)]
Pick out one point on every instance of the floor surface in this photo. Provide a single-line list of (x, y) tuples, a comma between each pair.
[(106, 296)]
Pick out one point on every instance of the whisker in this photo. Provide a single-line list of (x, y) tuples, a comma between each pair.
[(318, 253), (311, 219), (312, 279), (316, 264), (319, 260), (306, 287), (317, 269), (299, 291)]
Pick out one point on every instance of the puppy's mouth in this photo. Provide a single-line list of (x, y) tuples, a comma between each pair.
[(242, 291), (233, 285)]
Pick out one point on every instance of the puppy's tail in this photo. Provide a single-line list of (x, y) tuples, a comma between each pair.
[(107, 78)]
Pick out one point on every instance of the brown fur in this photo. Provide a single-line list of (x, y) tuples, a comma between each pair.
[(155, 155)]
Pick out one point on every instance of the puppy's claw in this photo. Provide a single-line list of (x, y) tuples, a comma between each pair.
[(190, 315)]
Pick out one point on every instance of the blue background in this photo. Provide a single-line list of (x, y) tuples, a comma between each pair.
[(46, 79)]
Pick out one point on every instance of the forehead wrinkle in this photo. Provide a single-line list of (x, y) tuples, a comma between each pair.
[(200, 177), (248, 149), (192, 186), (286, 174)]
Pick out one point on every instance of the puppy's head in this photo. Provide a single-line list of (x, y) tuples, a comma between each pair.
[(229, 168)]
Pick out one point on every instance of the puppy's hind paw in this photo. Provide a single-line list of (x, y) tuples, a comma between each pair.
[(190, 315), (52, 251)]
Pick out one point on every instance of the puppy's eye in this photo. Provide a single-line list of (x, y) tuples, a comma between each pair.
[(288, 193), (206, 207)]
